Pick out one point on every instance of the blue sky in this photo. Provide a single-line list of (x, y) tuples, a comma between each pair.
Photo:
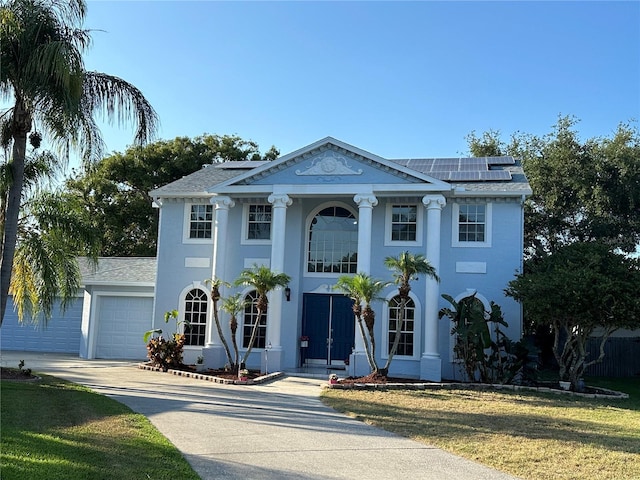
[(398, 79)]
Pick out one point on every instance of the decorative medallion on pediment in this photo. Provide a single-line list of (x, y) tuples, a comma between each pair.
[(330, 163)]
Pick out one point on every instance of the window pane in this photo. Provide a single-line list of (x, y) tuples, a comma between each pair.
[(259, 222), (333, 242), (471, 223), (195, 317), (404, 221), (201, 221), (405, 347), (250, 317)]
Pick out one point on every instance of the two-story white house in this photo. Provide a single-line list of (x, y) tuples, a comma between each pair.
[(330, 209)]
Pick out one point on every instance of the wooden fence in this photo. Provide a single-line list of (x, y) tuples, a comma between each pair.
[(622, 357)]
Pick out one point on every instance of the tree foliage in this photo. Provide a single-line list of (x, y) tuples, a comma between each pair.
[(43, 76), (115, 189), (580, 290), (263, 280), (364, 289), (406, 267), (582, 190)]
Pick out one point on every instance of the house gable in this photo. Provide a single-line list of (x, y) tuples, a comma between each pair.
[(330, 165)]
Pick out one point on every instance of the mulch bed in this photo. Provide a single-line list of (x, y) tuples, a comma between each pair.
[(381, 382), (7, 373)]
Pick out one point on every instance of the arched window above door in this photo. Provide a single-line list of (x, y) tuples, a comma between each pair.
[(332, 246)]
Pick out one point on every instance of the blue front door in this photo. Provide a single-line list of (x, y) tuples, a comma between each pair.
[(329, 323)]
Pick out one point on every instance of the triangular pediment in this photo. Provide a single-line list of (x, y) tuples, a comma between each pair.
[(332, 162)]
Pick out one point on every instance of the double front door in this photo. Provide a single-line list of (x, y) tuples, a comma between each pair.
[(329, 323)]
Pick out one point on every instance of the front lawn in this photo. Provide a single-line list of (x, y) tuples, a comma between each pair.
[(529, 435), (53, 429)]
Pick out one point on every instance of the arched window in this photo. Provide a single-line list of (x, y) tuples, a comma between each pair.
[(405, 347), (195, 317), (250, 319), (333, 241)]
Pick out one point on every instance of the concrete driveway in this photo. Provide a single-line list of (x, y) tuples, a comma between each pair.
[(279, 430)]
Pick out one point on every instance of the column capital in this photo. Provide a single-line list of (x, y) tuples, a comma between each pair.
[(280, 200), (222, 202), (434, 202), (365, 200)]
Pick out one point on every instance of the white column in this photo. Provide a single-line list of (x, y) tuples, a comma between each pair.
[(365, 203), (279, 203), (365, 213), (431, 364), (221, 220)]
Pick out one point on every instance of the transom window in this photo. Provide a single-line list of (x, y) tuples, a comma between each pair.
[(405, 347), (333, 242), (195, 317), (404, 223), (259, 222), (201, 221), (250, 319), (471, 223)]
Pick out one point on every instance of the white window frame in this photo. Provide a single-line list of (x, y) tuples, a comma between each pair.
[(455, 224), (242, 323), (181, 311), (417, 327), (244, 239), (203, 300), (388, 224), (187, 224), (308, 221)]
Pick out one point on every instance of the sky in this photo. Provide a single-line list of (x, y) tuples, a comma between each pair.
[(397, 79)]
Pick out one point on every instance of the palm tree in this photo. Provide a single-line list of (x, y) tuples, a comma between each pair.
[(363, 289), (45, 266), (406, 267), (233, 305), (263, 280), (216, 283), (43, 75)]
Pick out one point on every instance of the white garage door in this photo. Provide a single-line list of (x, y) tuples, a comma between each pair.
[(60, 334), (122, 322)]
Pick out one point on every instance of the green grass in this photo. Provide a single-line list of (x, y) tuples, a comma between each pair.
[(53, 429), (529, 435)]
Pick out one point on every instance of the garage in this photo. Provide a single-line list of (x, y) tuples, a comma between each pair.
[(60, 334), (122, 322)]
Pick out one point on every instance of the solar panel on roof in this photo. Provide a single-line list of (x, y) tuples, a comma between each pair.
[(466, 176), (495, 175), (504, 160), (240, 165)]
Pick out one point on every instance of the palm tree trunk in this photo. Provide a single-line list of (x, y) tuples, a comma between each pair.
[(220, 334), (367, 351), (22, 125), (233, 326), (396, 340), (254, 334)]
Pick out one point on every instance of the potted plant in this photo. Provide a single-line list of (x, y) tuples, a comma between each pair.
[(243, 374), (333, 379), (200, 363)]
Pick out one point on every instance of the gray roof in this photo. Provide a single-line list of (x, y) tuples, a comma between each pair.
[(119, 271), (199, 184)]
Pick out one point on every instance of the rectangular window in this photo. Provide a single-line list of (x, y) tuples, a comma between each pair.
[(404, 223), (471, 223), (259, 222), (201, 221)]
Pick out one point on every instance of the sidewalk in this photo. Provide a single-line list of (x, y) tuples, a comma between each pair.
[(279, 430)]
